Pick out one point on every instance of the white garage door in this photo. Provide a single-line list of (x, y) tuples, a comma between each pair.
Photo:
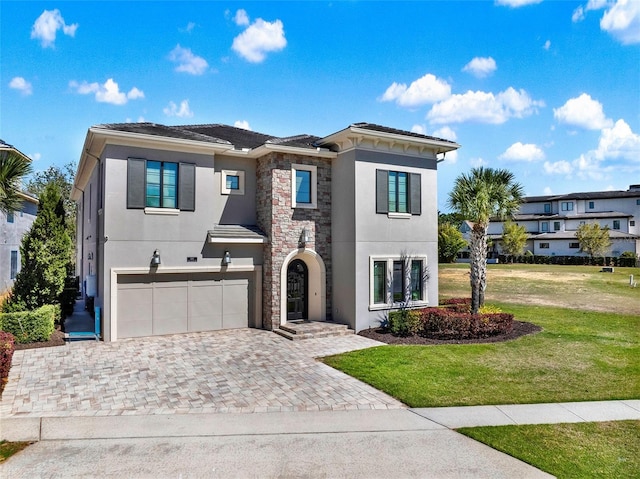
[(150, 305)]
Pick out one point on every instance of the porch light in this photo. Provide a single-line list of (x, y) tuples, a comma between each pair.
[(304, 238), (226, 258), (155, 259)]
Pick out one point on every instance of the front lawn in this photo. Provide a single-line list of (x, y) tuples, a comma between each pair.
[(579, 356), (585, 450)]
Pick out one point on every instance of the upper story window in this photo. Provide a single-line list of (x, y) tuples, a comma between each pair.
[(304, 183), (10, 217), (544, 226), (160, 185), (637, 202), (547, 207), (616, 224), (567, 206), (556, 226), (232, 182), (544, 245), (592, 205), (398, 192), (632, 223)]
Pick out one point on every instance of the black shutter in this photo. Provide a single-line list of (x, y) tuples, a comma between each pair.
[(382, 191), (415, 194), (187, 187), (136, 176)]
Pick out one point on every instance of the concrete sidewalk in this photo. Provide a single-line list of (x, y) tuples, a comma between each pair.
[(355, 444)]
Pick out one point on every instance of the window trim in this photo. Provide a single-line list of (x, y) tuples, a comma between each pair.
[(136, 197), (544, 226), (229, 191), (547, 207), (574, 245), (544, 245), (314, 186), (566, 206), (390, 303), (615, 225)]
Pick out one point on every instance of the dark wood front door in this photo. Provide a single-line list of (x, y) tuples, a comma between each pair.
[(297, 287)]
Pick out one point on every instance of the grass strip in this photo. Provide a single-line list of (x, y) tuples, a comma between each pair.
[(582, 450)]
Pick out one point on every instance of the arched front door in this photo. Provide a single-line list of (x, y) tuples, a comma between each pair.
[(297, 290)]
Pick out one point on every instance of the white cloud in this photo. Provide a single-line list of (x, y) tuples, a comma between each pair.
[(451, 157), (584, 112), (547, 45), (481, 67), (35, 156), (522, 152), (621, 18), (241, 18), (47, 25), (484, 107), (182, 111), (139, 120), (22, 85), (420, 129), (187, 61), (258, 39), (189, 28), (244, 124), (108, 92), (622, 21), (516, 3), (618, 142), (427, 89), (478, 162), (561, 167), (445, 133), (547, 191)]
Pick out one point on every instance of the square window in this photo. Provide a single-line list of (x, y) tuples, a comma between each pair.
[(567, 206), (632, 223), (397, 281), (304, 186), (232, 182)]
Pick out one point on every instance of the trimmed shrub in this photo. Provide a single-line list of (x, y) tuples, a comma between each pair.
[(31, 326), (7, 347), (459, 305), (444, 323), (405, 322)]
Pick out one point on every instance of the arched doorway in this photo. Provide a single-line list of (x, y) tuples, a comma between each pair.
[(297, 291)]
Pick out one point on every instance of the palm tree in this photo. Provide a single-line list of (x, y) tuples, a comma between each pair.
[(479, 196), (13, 167)]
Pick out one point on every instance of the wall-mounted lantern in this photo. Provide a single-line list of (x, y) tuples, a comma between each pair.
[(304, 238), (226, 259), (155, 259)]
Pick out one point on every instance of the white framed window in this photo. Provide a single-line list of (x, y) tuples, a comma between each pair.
[(592, 205), (544, 226), (304, 186), (547, 207), (567, 206), (544, 245), (616, 224), (232, 182), (396, 281), (574, 245), (556, 226)]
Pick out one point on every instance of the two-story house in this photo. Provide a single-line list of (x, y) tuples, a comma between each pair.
[(552, 221), (13, 226), (206, 227)]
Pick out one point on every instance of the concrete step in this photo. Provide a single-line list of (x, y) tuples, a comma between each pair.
[(312, 329)]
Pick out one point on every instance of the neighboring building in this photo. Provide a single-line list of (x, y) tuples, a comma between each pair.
[(204, 227), (552, 221), (13, 227)]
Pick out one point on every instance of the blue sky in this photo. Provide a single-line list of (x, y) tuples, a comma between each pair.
[(547, 89)]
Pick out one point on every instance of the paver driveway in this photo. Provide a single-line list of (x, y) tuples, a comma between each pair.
[(244, 370)]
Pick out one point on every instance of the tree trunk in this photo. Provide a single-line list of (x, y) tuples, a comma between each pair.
[(478, 274)]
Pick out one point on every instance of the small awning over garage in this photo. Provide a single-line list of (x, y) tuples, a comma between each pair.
[(241, 234)]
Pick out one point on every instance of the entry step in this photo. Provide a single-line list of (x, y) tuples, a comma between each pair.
[(312, 329)]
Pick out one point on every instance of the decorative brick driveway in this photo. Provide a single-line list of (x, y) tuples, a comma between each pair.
[(245, 370)]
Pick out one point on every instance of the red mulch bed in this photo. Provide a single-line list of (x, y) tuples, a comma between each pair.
[(56, 339), (520, 328)]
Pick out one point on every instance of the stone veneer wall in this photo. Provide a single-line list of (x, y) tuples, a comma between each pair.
[(283, 224)]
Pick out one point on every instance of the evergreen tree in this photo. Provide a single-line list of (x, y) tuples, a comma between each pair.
[(514, 239), (47, 253)]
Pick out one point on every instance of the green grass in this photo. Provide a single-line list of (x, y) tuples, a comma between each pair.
[(584, 450), (8, 449), (579, 356)]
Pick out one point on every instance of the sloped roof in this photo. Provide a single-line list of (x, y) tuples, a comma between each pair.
[(236, 234), (633, 191), (395, 131)]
